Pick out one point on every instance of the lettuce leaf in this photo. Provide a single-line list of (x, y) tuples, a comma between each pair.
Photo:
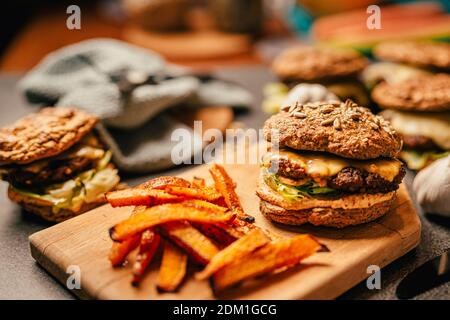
[(416, 160), (307, 190), (320, 190), (102, 181), (84, 188)]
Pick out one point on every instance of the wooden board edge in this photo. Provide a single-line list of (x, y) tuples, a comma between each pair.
[(409, 206), (407, 243), (50, 265)]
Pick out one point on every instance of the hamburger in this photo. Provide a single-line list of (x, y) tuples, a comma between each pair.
[(336, 69), (429, 55), (419, 110), (54, 163), (402, 60), (335, 165)]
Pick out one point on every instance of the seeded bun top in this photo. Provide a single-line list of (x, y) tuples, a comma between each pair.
[(422, 54), (425, 93), (43, 134), (341, 128), (303, 64)]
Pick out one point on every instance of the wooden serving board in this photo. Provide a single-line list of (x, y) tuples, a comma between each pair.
[(190, 45), (84, 241)]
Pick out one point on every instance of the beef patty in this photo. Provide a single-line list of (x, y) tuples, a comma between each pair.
[(419, 143), (349, 180), (54, 171)]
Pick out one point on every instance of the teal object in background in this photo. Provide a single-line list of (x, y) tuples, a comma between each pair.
[(300, 19)]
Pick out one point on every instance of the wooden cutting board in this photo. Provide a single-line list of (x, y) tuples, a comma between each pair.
[(190, 45), (84, 242)]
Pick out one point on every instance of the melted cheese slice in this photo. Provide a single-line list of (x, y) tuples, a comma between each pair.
[(324, 165), (435, 126)]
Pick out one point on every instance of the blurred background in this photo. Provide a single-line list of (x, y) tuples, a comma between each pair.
[(206, 34)]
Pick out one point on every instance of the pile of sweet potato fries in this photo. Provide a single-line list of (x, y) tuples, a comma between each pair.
[(205, 225)]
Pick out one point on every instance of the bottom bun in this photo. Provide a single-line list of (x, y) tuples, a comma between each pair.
[(44, 210), (330, 213), (336, 218)]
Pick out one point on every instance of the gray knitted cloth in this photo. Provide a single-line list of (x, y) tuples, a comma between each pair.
[(134, 123)]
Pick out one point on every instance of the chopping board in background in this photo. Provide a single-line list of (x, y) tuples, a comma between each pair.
[(211, 117), (200, 39), (84, 242), (189, 45)]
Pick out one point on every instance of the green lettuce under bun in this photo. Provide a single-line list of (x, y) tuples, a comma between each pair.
[(416, 160), (308, 190), (84, 188)]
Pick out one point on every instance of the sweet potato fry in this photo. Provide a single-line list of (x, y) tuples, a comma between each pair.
[(213, 194), (138, 209), (206, 194), (222, 234), (235, 229), (148, 246), (242, 226), (140, 197), (192, 210), (163, 182), (234, 252), (198, 182), (206, 205), (120, 250), (173, 268), (221, 202), (226, 187), (270, 257), (193, 242)]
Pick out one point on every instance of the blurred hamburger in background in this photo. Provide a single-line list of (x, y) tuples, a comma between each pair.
[(412, 85), (55, 165), (419, 109), (336, 69), (312, 73)]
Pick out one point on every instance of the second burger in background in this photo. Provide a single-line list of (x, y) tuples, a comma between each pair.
[(419, 109), (54, 163), (336, 69), (336, 165)]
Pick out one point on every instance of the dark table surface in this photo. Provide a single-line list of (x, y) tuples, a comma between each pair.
[(22, 278)]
